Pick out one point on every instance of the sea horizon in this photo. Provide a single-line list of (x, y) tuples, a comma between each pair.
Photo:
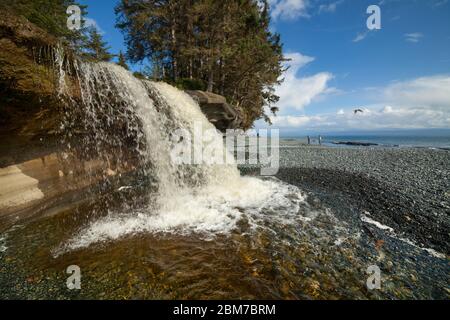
[(439, 138)]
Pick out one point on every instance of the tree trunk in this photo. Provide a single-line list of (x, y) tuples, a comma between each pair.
[(222, 76), (210, 80), (174, 53), (191, 67)]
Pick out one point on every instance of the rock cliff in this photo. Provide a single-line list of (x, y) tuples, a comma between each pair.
[(37, 169)]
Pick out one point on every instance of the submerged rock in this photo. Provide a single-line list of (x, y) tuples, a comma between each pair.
[(355, 143)]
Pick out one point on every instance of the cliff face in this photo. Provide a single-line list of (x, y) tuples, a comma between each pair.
[(22, 56), (37, 172), (27, 104), (26, 82), (39, 166)]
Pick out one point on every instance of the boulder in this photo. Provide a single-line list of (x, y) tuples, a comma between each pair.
[(217, 110)]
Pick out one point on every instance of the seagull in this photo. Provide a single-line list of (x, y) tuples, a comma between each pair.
[(358, 110)]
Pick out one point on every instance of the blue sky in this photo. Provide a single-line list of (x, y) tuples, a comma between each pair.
[(399, 75)]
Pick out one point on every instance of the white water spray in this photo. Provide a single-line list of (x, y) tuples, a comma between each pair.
[(206, 199)]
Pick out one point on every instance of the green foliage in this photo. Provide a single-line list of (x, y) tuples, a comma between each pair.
[(95, 48), (49, 15), (190, 84), (139, 75), (122, 61), (224, 47)]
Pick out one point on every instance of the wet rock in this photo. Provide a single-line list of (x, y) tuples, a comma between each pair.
[(217, 110), (401, 188), (26, 81)]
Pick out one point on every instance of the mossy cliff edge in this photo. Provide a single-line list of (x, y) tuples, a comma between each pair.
[(37, 172)]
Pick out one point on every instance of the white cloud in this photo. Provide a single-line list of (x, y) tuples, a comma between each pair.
[(289, 9), (440, 3), (88, 22), (373, 118), (361, 36), (413, 37), (292, 121), (293, 9), (432, 92), (388, 109), (296, 92), (331, 7), (414, 104)]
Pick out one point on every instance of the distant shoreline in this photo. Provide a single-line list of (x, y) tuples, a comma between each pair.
[(439, 143)]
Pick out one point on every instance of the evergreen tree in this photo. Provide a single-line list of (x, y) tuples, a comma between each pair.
[(51, 16), (224, 47), (95, 48), (122, 61)]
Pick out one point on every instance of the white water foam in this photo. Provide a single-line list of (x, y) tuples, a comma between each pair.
[(391, 232), (381, 226), (212, 210)]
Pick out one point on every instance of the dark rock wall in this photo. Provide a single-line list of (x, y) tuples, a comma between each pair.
[(37, 171)]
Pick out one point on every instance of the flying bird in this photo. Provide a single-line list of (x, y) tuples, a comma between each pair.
[(358, 110)]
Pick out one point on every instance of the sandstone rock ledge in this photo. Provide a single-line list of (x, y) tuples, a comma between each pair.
[(217, 110)]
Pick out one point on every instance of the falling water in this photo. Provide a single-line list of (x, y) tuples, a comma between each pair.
[(188, 231), (203, 198)]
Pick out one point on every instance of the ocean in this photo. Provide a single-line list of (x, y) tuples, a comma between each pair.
[(438, 142)]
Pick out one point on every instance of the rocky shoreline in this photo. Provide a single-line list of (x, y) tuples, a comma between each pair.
[(406, 189), (392, 201)]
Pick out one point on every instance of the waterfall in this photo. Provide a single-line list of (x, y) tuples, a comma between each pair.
[(151, 112), (202, 198)]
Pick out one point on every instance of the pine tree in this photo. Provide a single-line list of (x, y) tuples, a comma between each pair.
[(51, 16), (95, 48), (224, 47), (122, 61)]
